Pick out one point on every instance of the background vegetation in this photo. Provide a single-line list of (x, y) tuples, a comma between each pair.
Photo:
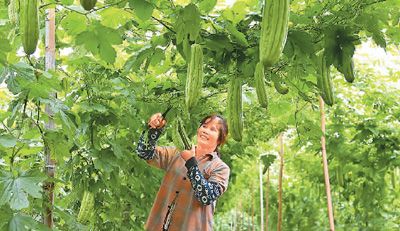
[(125, 60)]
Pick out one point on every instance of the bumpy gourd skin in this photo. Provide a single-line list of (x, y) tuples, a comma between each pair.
[(29, 25), (235, 108), (324, 81), (274, 29), (179, 136), (13, 7), (86, 210), (260, 85), (348, 70), (194, 79)]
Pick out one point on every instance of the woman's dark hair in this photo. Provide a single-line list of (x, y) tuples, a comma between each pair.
[(223, 129)]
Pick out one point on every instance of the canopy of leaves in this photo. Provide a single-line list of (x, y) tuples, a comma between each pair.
[(124, 60)]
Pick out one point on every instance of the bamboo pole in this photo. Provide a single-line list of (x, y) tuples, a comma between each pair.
[(235, 219), (279, 228), (325, 165), (50, 163), (266, 201)]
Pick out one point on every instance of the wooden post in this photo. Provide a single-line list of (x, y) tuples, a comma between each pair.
[(325, 165), (50, 64), (266, 201), (279, 228), (261, 198)]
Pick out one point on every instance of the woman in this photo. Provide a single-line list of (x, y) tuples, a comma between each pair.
[(194, 178)]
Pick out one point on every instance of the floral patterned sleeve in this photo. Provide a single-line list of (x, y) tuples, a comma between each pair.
[(205, 191), (146, 148)]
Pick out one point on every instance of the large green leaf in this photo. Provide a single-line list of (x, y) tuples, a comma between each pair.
[(74, 23), (99, 40), (22, 222), (142, 8), (114, 17), (187, 23), (15, 190), (207, 5), (8, 141), (59, 145)]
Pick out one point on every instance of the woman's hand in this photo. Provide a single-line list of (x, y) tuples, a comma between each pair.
[(157, 121), (187, 154)]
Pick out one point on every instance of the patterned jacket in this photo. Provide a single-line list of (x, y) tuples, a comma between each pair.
[(187, 195)]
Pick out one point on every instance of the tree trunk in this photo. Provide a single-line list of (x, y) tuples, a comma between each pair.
[(50, 163), (325, 165), (279, 228)]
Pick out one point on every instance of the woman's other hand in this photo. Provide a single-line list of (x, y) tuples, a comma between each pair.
[(187, 154), (157, 121)]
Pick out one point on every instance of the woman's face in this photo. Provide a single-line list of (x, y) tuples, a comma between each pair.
[(208, 133)]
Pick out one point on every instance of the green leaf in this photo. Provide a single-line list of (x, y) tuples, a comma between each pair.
[(4, 49), (302, 41), (207, 5), (237, 35), (98, 40), (218, 42), (237, 13), (8, 141), (58, 144), (108, 34), (15, 190), (22, 222), (74, 23), (157, 57), (105, 160), (267, 161), (89, 40), (67, 2), (107, 52), (339, 42), (370, 22), (114, 17), (136, 60), (142, 8), (188, 23)]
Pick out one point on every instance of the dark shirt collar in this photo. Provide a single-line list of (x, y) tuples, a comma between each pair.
[(212, 155)]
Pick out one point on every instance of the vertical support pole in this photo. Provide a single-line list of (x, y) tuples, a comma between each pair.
[(261, 198), (279, 228), (325, 165), (266, 201), (252, 208), (50, 63)]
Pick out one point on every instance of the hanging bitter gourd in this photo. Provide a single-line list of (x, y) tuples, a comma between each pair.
[(259, 79), (29, 25), (179, 136), (324, 81), (194, 79), (347, 69), (274, 28), (279, 86), (86, 210), (235, 121), (13, 8), (88, 4)]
